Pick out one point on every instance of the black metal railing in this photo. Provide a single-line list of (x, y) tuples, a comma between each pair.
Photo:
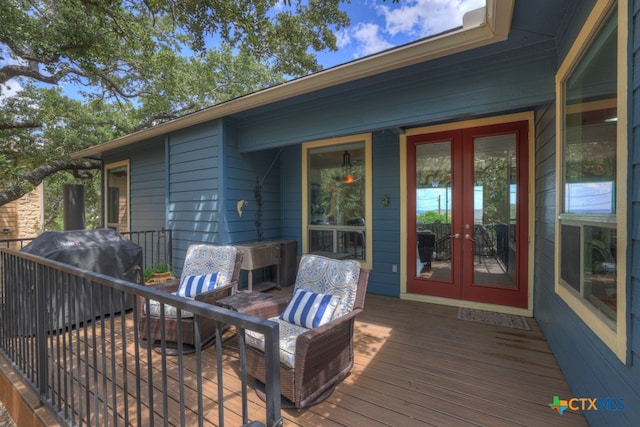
[(491, 240), (74, 335), (15, 243), (156, 245)]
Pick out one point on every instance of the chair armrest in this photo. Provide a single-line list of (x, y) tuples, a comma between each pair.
[(320, 343), (168, 286), (210, 297), (269, 308)]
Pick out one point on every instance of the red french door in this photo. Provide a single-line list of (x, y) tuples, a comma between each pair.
[(468, 214)]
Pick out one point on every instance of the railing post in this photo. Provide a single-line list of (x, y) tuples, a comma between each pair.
[(272, 377), (169, 245), (41, 328)]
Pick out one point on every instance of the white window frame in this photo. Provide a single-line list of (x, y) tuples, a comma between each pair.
[(613, 335), (368, 211), (121, 227)]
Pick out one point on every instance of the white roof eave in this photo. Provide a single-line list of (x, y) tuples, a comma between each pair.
[(481, 27)]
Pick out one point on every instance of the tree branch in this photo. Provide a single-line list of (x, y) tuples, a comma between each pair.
[(152, 120), (24, 125), (10, 71), (54, 211), (36, 176)]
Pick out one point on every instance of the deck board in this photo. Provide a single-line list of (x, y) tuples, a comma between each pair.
[(415, 364)]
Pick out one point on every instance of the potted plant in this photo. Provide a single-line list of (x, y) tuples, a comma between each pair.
[(158, 272)]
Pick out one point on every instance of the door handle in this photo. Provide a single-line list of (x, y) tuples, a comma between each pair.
[(455, 236), (468, 237)]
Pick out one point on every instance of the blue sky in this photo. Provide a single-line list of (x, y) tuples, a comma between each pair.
[(377, 25)]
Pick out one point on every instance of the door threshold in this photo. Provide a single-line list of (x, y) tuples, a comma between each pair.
[(526, 312)]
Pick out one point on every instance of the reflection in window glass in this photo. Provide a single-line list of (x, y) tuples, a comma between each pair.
[(600, 269), (336, 177), (337, 202), (588, 244), (434, 207), (117, 197), (590, 127)]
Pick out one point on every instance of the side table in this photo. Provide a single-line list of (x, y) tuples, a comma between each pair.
[(242, 300), (260, 255)]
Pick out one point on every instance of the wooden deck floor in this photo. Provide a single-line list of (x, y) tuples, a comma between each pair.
[(415, 364), (418, 364)]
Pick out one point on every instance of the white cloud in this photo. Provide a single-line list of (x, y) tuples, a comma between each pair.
[(421, 18), (389, 24), (343, 38), (9, 89), (369, 39)]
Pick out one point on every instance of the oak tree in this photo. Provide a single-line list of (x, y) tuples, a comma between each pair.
[(74, 73)]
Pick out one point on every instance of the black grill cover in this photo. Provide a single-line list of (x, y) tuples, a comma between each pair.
[(103, 250)]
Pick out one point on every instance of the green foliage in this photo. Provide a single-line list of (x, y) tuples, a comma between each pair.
[(53, 195), (159, 267), (494, 179), (340, 198), (133, 64), (431, 217)]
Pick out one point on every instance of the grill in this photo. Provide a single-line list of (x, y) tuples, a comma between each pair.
[(103, 251)]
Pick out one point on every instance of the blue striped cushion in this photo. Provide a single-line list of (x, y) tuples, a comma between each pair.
[(310, 310), (190, 286)]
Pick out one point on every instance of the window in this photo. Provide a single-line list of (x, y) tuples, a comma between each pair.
[(117, 196), (590, 232), (337, 201)]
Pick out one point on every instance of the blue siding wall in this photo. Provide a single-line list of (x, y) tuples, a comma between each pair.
[(194, 188), (634, 186), (193, 201), (244, 175), (244, 172), (291, 186), (148, 188), (590, 367), (386, 219), (148, 185), (634, 198), (448, 89)]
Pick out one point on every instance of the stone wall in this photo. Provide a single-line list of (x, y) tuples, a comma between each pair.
[(23, 217)]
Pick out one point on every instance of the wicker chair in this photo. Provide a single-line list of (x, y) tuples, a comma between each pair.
[(200, 260), (312, 360)]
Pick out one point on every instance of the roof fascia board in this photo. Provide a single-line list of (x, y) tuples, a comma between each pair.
[(481, 27)]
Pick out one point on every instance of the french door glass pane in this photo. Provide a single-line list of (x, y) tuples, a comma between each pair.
[(494, 210), (433, 211)]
